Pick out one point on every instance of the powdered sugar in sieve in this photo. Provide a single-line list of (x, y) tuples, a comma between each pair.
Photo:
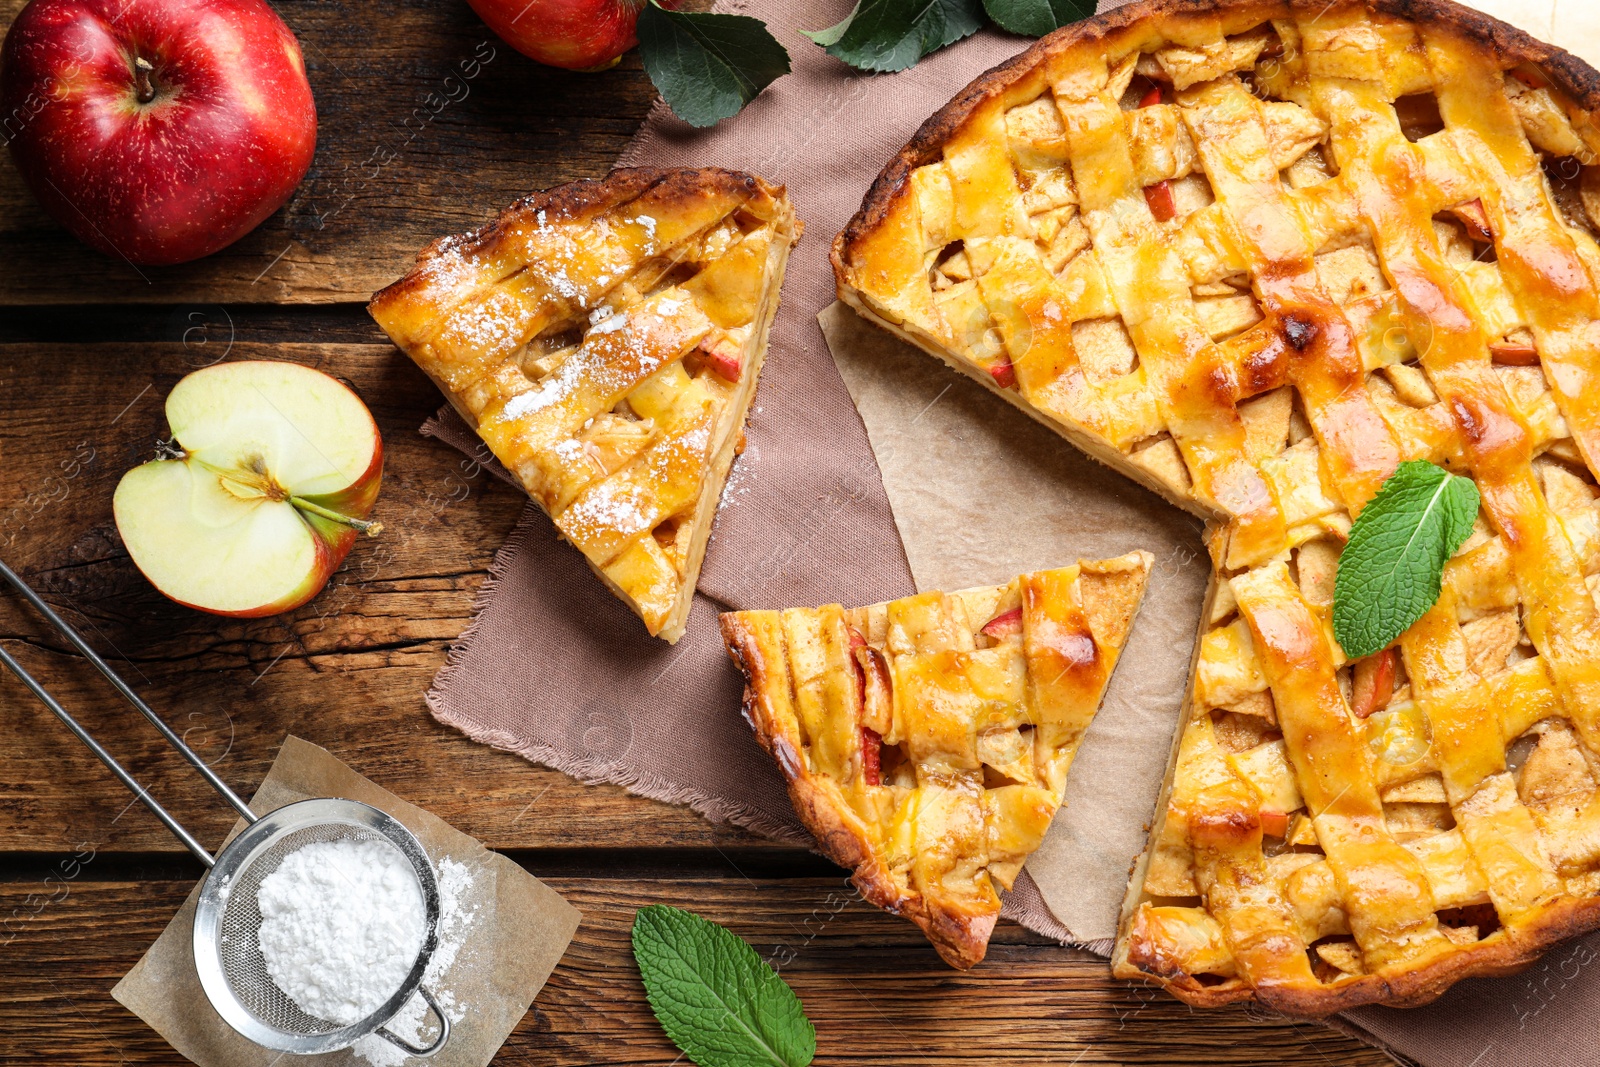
[(341, 924)]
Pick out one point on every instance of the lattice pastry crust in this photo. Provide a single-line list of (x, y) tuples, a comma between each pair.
[(1255, 255), (926, 741), (604, 339)]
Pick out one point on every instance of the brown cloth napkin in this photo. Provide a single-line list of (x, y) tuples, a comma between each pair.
[(1543, 1017), (555, 669)]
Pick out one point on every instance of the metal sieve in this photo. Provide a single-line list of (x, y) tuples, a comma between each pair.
[(227, 922)]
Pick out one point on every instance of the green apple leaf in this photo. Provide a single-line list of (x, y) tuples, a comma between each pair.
[(889, 35), (718, 1001), (708, 67), (1035, 18), (1389, 573)]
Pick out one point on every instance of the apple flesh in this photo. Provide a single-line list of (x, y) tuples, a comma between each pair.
[(273, 470), (158, 131), (573, 34)]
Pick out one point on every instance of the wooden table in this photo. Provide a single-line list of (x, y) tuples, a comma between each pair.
[(428, 125)]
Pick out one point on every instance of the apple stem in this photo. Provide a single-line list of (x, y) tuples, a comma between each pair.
[(371, 529), (144, 88)]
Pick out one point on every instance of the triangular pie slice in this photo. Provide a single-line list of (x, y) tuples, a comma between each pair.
[(604, 339), (1257, 254), (926, 741)]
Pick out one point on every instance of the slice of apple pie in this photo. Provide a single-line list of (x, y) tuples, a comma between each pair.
[(604, 339), (926, 741)]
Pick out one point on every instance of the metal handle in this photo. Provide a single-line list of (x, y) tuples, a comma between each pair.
[(438, 1042), (107, 758), (65, 629)]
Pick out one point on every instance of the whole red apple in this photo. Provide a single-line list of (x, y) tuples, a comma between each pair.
[(575, 34), (157, 130)]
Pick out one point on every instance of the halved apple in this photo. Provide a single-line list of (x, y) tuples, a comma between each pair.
[(272, 470)]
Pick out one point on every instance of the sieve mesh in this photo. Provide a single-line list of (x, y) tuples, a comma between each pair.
[(240, 946), (227, 926)]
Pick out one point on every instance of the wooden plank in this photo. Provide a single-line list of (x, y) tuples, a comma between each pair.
[(347, 670), (428, 125), (874, 989)]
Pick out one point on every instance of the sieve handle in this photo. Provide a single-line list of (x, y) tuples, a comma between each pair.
[(438, 1042), (107, 758), (65, 630)]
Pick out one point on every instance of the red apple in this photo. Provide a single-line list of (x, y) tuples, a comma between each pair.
[(722, 356), (1004, 625), (157, 130), (575, 34), (1372, 683), (272, 472)]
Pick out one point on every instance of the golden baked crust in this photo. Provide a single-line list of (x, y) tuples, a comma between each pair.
[(1255, 255), (926, 741), (604, 338)]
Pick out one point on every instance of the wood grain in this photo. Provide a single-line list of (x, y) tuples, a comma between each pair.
[(873, 987), (347, 671), (428, 125)]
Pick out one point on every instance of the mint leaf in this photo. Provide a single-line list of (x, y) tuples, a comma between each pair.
[(832, 34), (1389, 573), (708, 67), (887, 35), (715, 997), (1035, 18)]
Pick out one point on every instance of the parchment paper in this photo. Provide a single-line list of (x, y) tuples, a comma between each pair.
[(981, 493), (522, 928)]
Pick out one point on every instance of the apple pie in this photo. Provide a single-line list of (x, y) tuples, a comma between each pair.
[(926, 741), (604, 339), (1255, 255)]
